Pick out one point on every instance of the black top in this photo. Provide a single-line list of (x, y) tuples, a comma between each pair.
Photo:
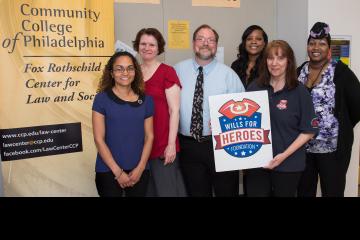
[(236, 66), (118, 100), (291, 113), (347, 109)]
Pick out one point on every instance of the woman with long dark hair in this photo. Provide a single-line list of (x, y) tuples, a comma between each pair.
[(253, 42)]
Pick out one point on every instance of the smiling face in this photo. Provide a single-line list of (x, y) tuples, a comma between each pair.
[(255, 43), (318, 50), (205, 45), (277, 64), (123, 71), (148, 47)]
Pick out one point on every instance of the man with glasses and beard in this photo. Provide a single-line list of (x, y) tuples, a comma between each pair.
[(201, 77)]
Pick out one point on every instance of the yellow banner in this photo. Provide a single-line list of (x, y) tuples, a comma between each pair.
[(217, 3), (52, 56)]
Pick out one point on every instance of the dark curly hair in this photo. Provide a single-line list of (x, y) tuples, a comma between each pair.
[(290, 73), (107, 81), (152, 32), (243, 55)]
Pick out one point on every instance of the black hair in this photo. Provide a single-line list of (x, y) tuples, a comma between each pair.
[(320, 30), (243, 55)]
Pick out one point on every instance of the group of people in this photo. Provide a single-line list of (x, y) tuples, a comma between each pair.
[(151, 121)]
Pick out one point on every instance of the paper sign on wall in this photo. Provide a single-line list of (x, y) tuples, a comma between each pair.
[(220, 54), (241, 130), (216, 3), (178, 34), (121, 46), (340, 48)]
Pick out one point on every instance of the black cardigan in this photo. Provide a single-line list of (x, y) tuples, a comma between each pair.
[(347, 109)]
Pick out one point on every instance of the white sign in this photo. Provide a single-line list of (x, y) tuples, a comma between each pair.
[(220, 54), (241, 130), (121, 47)]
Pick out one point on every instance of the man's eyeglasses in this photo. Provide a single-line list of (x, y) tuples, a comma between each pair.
[(209, 40), (129, 69)]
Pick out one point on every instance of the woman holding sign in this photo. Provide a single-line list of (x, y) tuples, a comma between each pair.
[(123, 129), (293, 123)]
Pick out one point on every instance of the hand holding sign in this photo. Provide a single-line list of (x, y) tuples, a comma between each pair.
[(241, 127)]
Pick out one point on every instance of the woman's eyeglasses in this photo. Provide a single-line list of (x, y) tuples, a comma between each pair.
[(120, 69)]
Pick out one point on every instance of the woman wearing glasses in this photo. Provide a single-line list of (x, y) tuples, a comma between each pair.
[(162, 83), (123, 129)]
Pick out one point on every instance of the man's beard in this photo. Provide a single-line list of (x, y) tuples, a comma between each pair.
[(205, 57)]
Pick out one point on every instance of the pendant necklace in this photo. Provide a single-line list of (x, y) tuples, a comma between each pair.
[(311, 83)]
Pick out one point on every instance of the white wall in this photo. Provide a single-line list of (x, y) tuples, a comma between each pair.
[(228, 22), (343, 18)]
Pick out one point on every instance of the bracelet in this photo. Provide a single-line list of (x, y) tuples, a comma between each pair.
[(118, 176)]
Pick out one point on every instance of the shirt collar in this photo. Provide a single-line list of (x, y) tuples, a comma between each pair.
[(207, 68), (118, 100), (271, 90)]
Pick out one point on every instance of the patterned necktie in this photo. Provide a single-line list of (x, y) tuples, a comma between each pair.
[(196, 126)]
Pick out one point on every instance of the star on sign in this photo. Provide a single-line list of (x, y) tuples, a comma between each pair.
[(238, 108), (243, 153)]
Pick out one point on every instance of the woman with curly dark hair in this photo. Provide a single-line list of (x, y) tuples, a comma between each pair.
[(107, 81), (123, 129), (254, 41)]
